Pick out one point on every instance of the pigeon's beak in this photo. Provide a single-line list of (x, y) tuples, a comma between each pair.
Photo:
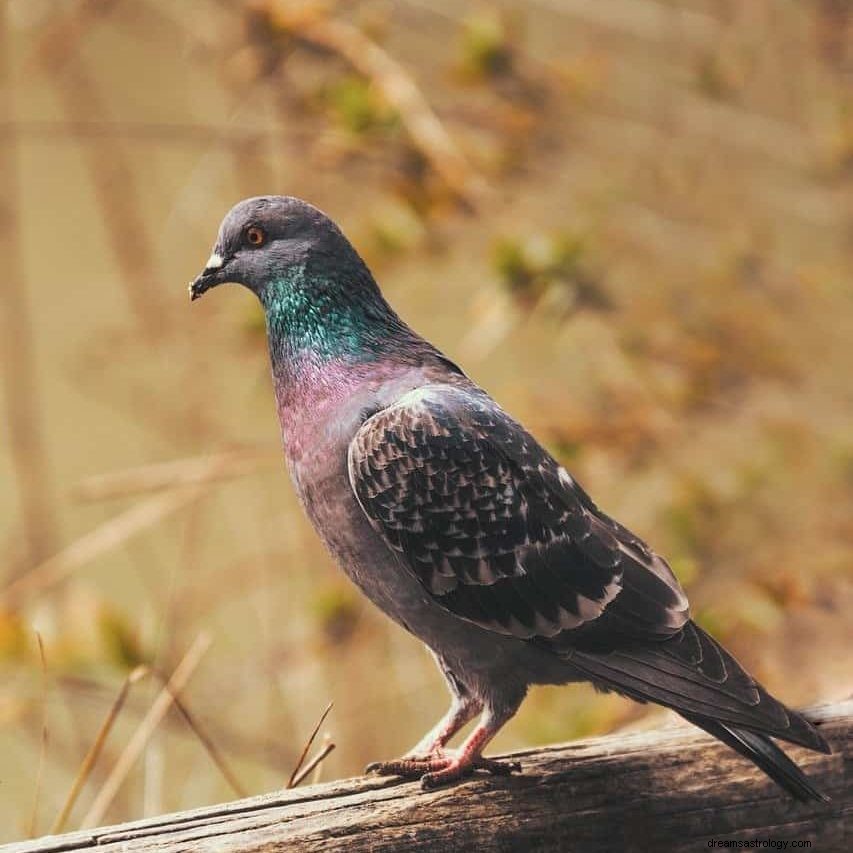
[(212, 274)]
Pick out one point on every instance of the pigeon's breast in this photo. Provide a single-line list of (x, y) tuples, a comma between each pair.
[(317, 444), (319, 419), (321, 479)]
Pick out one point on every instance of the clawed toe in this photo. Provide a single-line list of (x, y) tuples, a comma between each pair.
[(460, 768), (437, 770), (408, 768), (496, 767)]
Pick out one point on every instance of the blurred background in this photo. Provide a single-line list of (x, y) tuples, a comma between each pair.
[(631, 221)]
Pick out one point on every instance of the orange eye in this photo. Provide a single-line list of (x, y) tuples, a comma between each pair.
[(255, 236)]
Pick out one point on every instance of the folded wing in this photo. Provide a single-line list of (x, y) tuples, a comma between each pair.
[(499, 533)]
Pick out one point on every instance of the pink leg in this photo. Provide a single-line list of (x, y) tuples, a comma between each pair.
[(440, 767), (462, 711), (469, 756), (428, 753)]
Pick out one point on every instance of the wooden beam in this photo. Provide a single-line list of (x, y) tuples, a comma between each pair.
[(673, 789)]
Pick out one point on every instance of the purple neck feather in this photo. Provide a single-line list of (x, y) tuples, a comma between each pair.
[(334, 345)]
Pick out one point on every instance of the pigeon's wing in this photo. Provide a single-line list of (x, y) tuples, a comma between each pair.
[(497, 532)]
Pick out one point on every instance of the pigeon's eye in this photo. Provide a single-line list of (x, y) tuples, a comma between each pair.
[(255, 236)]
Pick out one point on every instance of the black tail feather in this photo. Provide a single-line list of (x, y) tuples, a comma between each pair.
[(765, 754), (695, 676)]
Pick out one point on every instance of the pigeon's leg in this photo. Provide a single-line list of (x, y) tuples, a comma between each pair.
[(469, 756), (462, 711), (444, 766), (464, 706), (428, 754)]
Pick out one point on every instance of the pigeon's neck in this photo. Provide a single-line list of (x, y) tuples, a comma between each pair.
[(308, 320), (326, 350)]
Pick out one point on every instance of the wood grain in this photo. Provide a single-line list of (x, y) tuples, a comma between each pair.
[(673, 788)]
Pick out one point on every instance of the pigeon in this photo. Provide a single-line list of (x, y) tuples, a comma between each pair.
[(453, 520)]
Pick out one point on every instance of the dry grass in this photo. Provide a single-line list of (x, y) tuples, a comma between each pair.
[(97, 746), (206, 741), (296, 777), (136, 745), (314, 765)]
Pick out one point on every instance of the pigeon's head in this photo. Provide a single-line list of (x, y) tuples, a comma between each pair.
[(262, 239)]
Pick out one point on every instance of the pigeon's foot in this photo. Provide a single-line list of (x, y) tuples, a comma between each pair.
[(439, 766), (442, 769), (408, 767), (459, 766)]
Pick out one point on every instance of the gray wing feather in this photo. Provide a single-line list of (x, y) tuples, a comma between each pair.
[(497, 532)]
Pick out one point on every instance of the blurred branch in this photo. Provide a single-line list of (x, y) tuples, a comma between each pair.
[(202, 134), (137, 743), (109, 170), (100, 372), (643, 19), (398, 89), (16, 345), (237, 140), (99, 541), (176, 474), (64, 32), (43, 742)]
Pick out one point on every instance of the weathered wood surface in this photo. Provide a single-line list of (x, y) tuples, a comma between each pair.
[(672, 789)]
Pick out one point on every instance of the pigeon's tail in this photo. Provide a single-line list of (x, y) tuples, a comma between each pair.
[(759, 749), (695, 676)]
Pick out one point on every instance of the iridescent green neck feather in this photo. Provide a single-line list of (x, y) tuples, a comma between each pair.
[(332, 317)]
